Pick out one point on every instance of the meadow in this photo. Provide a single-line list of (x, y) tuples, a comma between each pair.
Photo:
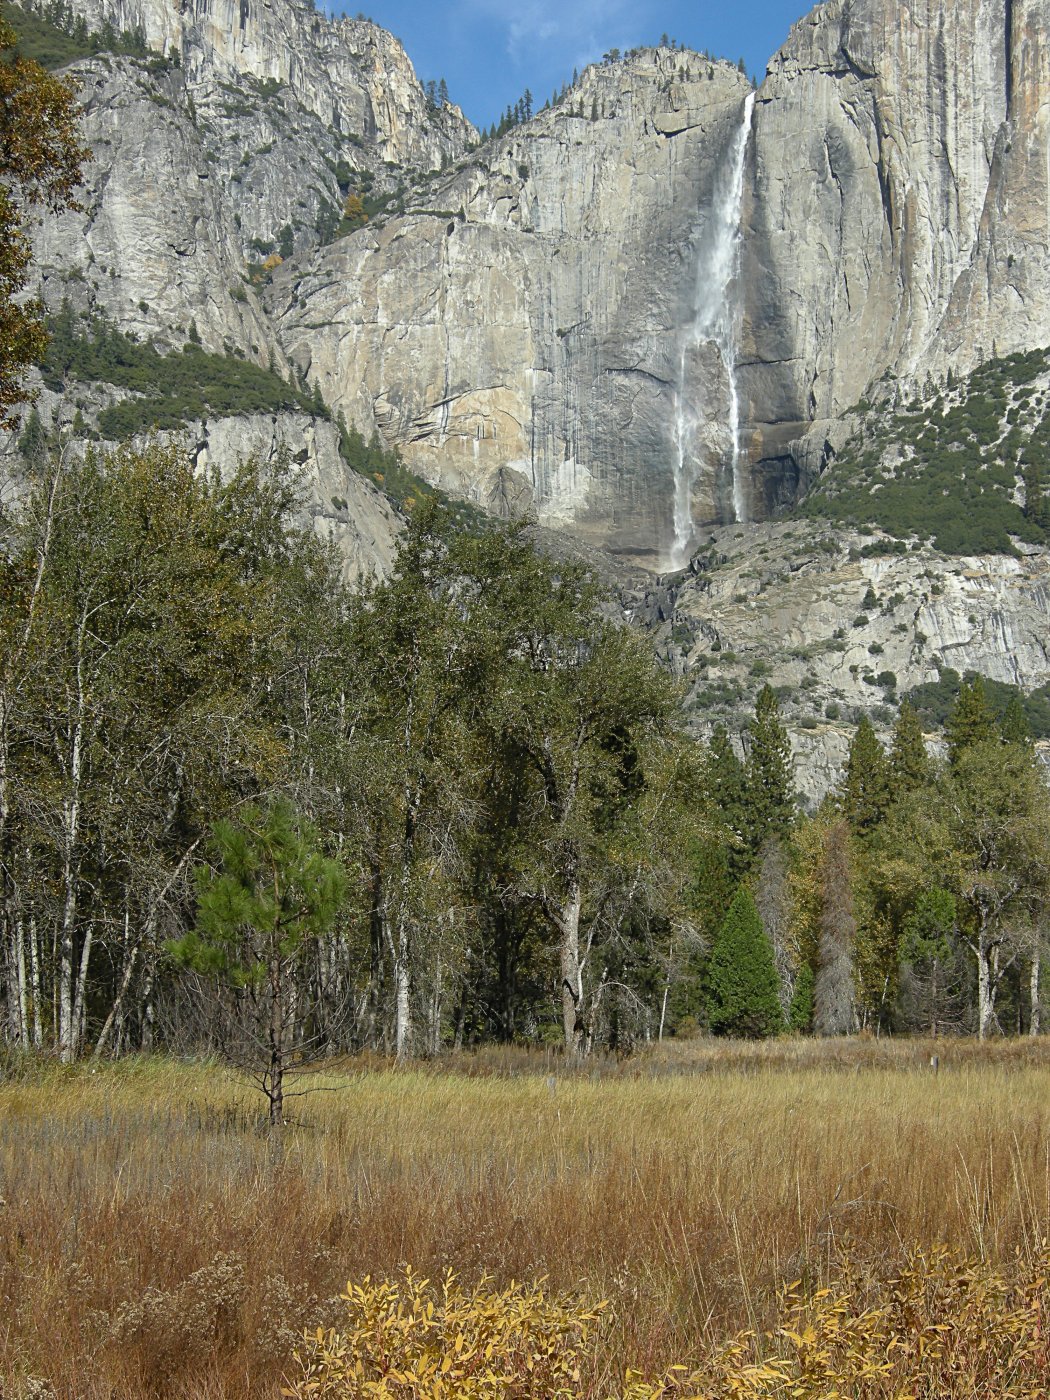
[(155, 1242)]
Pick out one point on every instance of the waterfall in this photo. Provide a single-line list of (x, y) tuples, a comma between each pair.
[(713, 320)]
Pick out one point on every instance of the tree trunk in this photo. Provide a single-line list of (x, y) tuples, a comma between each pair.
[(985, 990), (1034, 1014), (80, 996), (275, 1090), (402, 1004), (23, 989), (70, 838), (36, 987), (571, 971), (115, 1018), (437, 993)]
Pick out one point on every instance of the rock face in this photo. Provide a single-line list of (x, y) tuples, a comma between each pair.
[(898, 212), (519, 332), (352, 75), (339, 504), (529, 341), (802, 609), (591, 317)]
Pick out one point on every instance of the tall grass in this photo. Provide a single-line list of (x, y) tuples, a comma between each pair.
[(152, 1242)]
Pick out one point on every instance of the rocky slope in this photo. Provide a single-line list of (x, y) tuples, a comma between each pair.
[(898, 210), (840, 630)]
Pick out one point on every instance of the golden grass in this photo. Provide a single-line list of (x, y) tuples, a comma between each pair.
[(150, 1243)]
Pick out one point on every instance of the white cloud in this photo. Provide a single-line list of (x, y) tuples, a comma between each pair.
[(542, 30)]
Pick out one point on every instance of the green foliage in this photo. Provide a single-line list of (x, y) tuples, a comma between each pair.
[(54, 36), (909, 766), (800, 1012), (929, 927), (268, 894), (934, 701), (963, 457), (169, 390), (742, 978), (269, 890), (866, 784), (769, 771), (971, 721)]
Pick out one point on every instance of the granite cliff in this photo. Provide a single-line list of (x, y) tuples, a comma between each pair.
[(647, 315), (647, 309)]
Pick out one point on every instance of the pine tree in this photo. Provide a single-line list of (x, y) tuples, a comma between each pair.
[(742, 978), (443, 93), (866, 782), (800, 1012), (269, 896), (725, 789), (710, 891), (971, 721), (1014, 726), (909, 761), (769, 773)]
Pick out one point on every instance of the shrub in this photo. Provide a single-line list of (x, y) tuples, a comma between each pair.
[(411, 1340), (943, 1328)]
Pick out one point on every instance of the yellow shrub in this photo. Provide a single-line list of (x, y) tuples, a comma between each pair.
[(942, 1330), (409, 1340)]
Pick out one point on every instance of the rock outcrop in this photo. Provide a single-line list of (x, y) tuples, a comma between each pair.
[(518, 332), (897, 217), (526, 329), (351, 74), (840, 632)]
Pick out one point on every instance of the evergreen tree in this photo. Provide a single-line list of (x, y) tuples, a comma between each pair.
[(1014, 726), (742, 978), (710, 891), (866, 782), (725, 791), (442, 93), (971, 721), (800, 1012), (270, 893), (770, 785), (909, 761)]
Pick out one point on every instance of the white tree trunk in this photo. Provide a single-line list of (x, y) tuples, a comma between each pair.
[(36, 986), (402, 1003), (985, 990), (571, 971)]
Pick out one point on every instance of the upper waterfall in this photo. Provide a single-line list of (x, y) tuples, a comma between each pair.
[(713, 320)]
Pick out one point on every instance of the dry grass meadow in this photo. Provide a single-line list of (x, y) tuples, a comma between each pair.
[(153, 1244)]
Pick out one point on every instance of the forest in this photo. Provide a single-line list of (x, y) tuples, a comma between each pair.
[(246, 811)]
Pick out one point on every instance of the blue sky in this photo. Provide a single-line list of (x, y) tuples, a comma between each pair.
[(490, 51)]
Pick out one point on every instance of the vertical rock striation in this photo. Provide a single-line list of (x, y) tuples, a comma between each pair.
[(898, 215)]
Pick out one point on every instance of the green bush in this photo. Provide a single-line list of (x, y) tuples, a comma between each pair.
[(961, 463)]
